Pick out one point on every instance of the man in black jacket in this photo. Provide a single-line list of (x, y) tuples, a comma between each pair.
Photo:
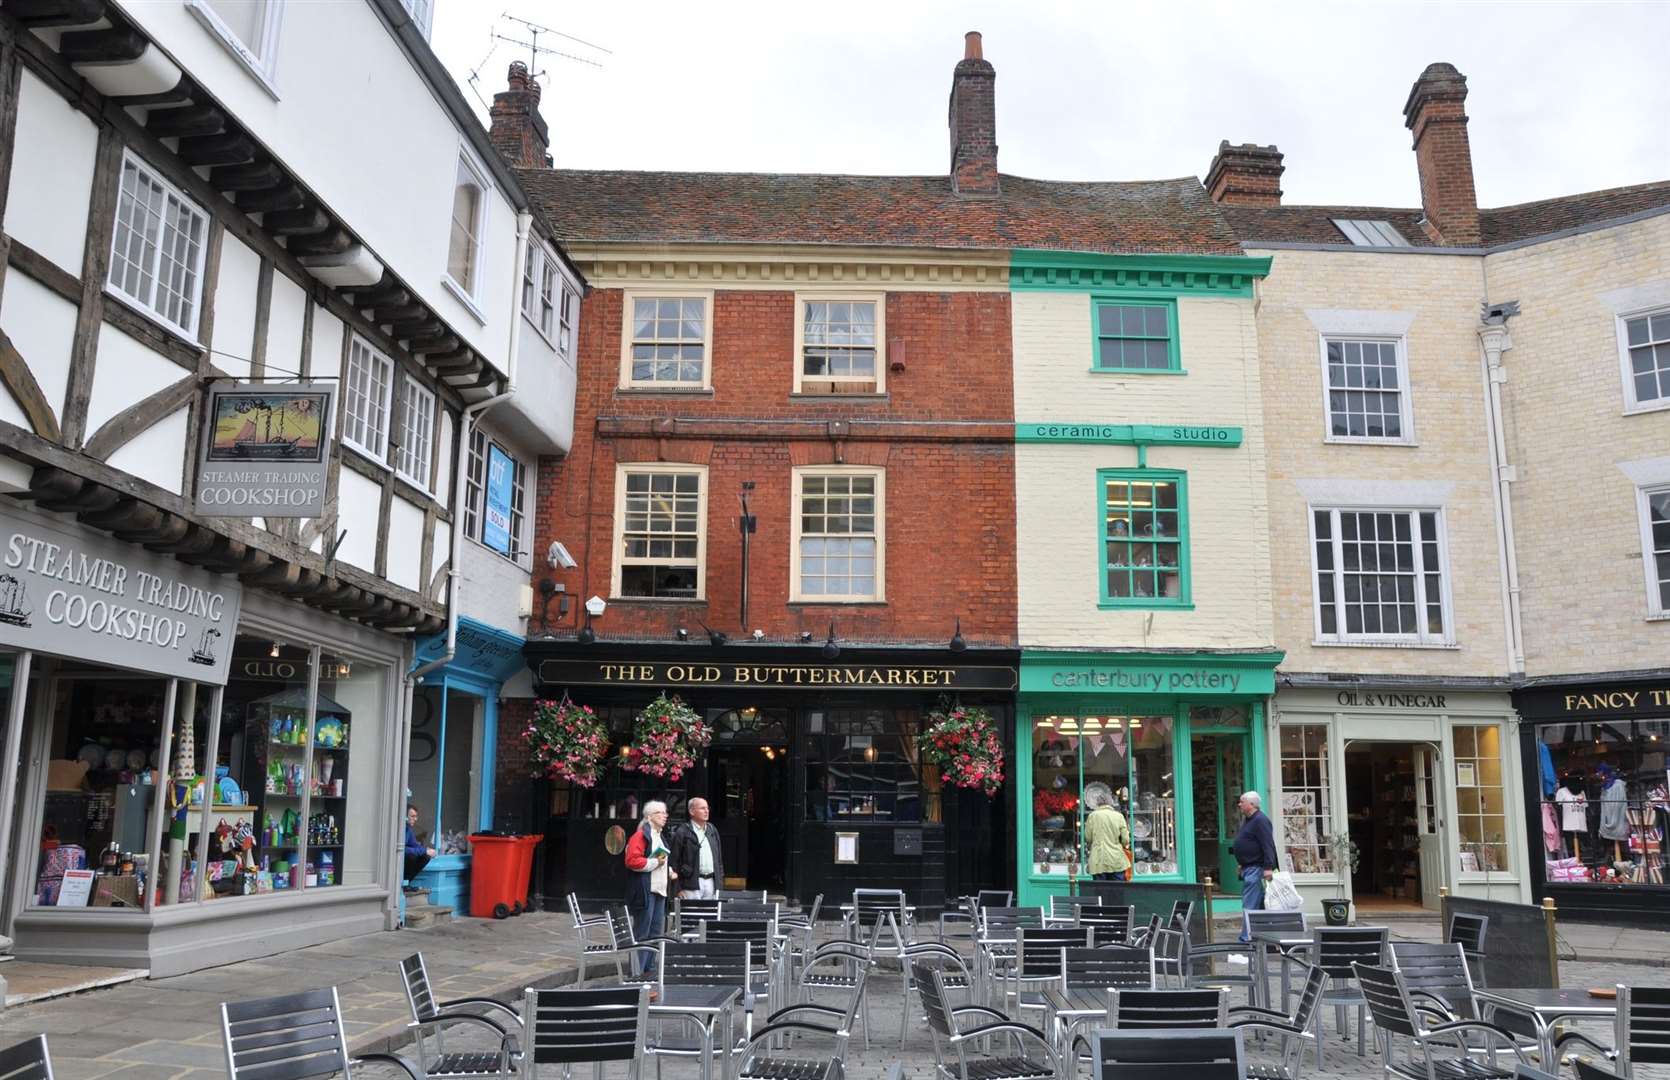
[(696, 854), (1255, 853)]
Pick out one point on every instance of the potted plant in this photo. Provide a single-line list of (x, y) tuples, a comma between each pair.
[(665, 739), (964, 741), (1342, 850), (566, 741)]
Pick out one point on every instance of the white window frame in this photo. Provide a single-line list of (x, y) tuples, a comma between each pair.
[(1656, 609), (380, 373), (797, 476), (1631, 403), (422, 13), (1371, 232), (619, 560), (801, 300), (469, 292), (149, 305), (475, 497), (1406, 404), (416, 417), (1421, 639), (629, 298), (539, 280), (259, 58), (568, 319)]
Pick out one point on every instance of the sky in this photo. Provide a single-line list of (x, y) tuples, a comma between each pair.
[(1563, 97)]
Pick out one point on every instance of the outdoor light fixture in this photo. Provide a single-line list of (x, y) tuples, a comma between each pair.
[(715, 638), (682, 634), (805, 637), (830, 649), (273, 652), (586, 635), (870, 753), (957, 642)]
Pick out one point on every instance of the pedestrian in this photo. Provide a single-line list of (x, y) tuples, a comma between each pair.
[(646, 889), (698, 861), (1255, 854), (417, 853), (1106, 835)]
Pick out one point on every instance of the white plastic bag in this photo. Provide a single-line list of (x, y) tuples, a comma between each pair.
[(1280, 894)]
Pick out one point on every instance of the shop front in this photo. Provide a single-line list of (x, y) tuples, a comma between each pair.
[(453, 751), (1596, 784), (1174, 738), (195, 774), (814, 776), (1418, 778)]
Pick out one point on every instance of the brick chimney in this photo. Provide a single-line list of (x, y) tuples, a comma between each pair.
[(1245, 175), (974, 123), (1435, 113), (518, 131)]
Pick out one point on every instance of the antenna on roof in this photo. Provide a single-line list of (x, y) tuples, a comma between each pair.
[(536, 50)]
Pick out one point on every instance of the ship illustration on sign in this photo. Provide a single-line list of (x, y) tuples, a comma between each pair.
[(205, 651), (279, 426), (14, 601)]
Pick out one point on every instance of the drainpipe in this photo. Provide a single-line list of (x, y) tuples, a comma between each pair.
[(524, 222), (1494, 340)]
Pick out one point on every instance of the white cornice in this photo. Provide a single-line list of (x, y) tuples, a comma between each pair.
[(772, 266)]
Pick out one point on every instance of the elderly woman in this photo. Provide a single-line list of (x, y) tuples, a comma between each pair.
[(1106, 835), (646, 890)]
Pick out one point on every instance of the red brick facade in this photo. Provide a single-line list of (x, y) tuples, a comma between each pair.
[(943, 432)]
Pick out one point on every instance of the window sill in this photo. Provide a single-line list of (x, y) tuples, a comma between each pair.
[(798, 602), (801, 395), (178, 333), (677, 601), (1380, 643), (1662, 616), (364, 453), (1130, 605), (1350, 440), (1137, 371), (665, 391), (416, 483), (1638, 409), (543, 336), (1478, 877), (248, 60), (462, 295), (520, 560)]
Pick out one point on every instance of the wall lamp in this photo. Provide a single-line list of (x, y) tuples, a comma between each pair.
[(595, 607), (715, 638), (830, 649), (805, 637), (957, 642)]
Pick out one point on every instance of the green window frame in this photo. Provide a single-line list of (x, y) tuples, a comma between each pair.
[(1143, 557), (1130, 329)]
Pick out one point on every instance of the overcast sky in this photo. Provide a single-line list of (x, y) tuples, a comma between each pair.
[(1563, 97)]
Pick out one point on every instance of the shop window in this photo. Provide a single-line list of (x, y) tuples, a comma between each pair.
[(1481, 819), (1606, 809), (863, 765), (445, 767), (1145, 538), (1129, 757), (344, 812), (1306, 798)]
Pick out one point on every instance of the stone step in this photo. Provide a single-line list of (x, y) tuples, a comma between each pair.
[(419, 916)]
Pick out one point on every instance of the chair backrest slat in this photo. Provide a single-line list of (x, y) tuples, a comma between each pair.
[(1440, 970), (1645, 1014), (986, 898), (1165, 1055), (570, 1026), (1339, 947), (757, 896), (1388, 999), (620, 925), (1004, 921), (706, 963), (1468, 931), (419, 996), (292, 1037), (688, 911), (1038, 949), (1106, 967), (27, 1060), (1108, 922), (1148, 1009), (1275, 922)]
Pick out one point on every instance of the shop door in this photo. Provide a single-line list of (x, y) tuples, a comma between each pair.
[(1429, 818), (1220, 776), (750, 810)]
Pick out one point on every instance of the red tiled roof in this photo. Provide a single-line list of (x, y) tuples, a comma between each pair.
[(1171, 216)]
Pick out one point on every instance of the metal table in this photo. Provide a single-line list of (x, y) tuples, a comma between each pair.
[(1285, 942), (1548, 1007), (1069, 1008), (705, 1005)]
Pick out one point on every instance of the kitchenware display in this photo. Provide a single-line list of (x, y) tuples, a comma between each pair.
[(136, 759), (92, 754), (115, 759)]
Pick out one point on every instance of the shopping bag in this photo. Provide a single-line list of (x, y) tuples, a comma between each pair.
[(1280, 894)]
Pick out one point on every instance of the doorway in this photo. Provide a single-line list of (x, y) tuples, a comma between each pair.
[(1391, 793), (1219, 771), (750, 809)]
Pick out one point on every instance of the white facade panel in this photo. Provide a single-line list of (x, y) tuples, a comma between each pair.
[(284, 326), (443, 475), (235, 295), (443, 552), (357, 503), (52, 181), (405, 544), (41, 325), (492, 588), (327, 343), (127, 372), (11, 412), (155, 454)]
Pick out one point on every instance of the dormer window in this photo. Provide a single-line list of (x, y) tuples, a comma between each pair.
[(1366, 233)]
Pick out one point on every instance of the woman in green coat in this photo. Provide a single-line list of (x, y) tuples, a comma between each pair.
[(1106, 835)]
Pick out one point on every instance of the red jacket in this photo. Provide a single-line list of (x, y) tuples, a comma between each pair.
[(639, 864)]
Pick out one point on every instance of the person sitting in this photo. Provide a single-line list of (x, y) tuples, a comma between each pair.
[(417, 854)]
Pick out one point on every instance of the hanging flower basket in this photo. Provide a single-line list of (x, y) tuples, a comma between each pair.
[(964, 741), (567, 742), (666, 738)]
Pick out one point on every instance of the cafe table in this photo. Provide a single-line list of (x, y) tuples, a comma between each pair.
[(1069, 1008), (1548, 1007), (705, 1005), (1284, 942)]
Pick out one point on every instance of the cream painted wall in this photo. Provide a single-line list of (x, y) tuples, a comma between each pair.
[(1575, 512), (127, 371), (154, 454), (327, 343), (1058, 534), (41, 325), (436, 585), (1440, 295), (235, 296), (284, 326), (357, 503), (405, 543), (46, 204)]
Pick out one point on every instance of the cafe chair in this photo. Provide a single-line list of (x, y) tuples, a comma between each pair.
[(689, 914), (1339, 951), (797, 1021), (1166, 1055), (1109, 924), (766, 953), (1038, 962), (1468, 931), (841, 965), (27, 1060), (1440, 984), (700, 963), (297, 1037), (1395, 1016), (1182, 914), (869, 905), (954, 1056), (1588, 1070), (1170, 963), (594, 1026), (953, 972), (994, 946), (967, 908), (757, 896), (1641, 1034), (430, 1018), (1150, 1010), (1098, 970), (624, 945), (1287, 923), (1144, 935), (583, 926), (1298, 1031)]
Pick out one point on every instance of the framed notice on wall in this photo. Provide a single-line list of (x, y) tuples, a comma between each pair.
[(1466, 774), (846, 847)]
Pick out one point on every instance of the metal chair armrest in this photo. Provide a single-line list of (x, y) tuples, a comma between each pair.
[(1016, 1028), (491, 1003), (804, 1006), (469, 1018), (1496, 1033), (778, 1028), (411, 1068), (1569, 1037), (1258, 1010), (1268, 1025)]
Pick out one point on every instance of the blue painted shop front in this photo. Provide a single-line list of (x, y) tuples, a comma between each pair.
[(451, 756)]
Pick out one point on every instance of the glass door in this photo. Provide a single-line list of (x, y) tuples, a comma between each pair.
[(1219, 769)]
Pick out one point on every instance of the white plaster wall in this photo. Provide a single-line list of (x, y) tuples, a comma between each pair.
[(443, 475), (443, 552), (357, 503), (155, 454), (127, 372), (1057, 500), (12, 413), (327, 344), (41, 325), (235, 293), (541, 414), (284, 326), (336, 65), (492, 588), (52, 183), (405, 543)]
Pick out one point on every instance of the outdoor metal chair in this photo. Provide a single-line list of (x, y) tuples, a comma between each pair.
[(1182, 914), (1110, 924), (1145, 1010), (1162, 1055), (430, 1018), (593, 1026), (954, 975), (766, 956), (626, 946), (1468, 931), (797, 931), (1296, 1031), (758, 896), (27, 1060), (1170, 966), (1292, 923), (848, 965), (297, 1037), (792, 1022), (1038, 962), (1440, 984), (967, 909), (700, 963), (954, 1057), (1395, 1014), (869, 905), (1101, 968), (689, 914), (1587, 1070), (1641, 1034), (583, 926), (994, 946), (1339, 951), (1144, 935)]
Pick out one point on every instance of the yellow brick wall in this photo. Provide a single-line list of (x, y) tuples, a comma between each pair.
[(1057, 499), (1442, 293), (1582, 580)]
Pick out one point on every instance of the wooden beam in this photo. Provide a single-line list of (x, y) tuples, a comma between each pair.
[(117, 313), (250, 176), (185, 121), (20, 381), (263, 318), (230, 147), (11, 74), (42, 270), (139, 417), (95, 262), (385, 510)]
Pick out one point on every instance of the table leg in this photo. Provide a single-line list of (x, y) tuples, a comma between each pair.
[(725, 1070), (707, 1049)]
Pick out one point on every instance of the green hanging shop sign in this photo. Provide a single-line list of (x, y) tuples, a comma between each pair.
[(1191, 675)]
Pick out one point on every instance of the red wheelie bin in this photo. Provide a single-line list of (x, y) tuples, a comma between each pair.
[(495, 889)]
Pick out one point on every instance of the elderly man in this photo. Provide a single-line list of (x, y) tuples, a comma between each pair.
[(1255, 853), (697, 857)]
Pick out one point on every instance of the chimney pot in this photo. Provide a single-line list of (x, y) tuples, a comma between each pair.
[(1245, 175), (1435, 112), (973, 123), (971, 46)]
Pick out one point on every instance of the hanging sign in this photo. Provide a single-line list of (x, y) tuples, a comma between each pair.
[(495, 522), (74, 592), (265, 450)]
